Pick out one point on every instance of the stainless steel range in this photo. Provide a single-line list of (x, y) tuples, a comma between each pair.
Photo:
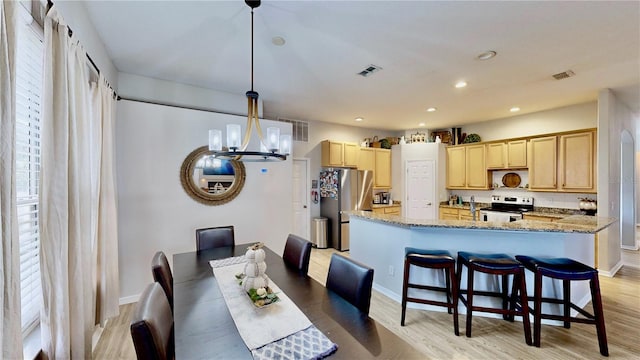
[(506, 208)]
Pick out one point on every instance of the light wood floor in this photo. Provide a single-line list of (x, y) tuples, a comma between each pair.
[(432, 332)]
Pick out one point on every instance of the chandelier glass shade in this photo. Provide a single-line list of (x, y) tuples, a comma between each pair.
[(273, 146)]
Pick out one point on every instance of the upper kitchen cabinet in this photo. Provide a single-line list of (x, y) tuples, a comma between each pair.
[(382, 172), (543, 163), (367, 159), (466, 167), (339, 154), (577, 162), (456, 167), (509, 155), (563, 163)]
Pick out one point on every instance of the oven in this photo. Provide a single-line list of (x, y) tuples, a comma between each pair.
[(506, 208)]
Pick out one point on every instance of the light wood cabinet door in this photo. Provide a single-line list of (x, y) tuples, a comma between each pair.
[(538, 218), (350, 157), (577, 153), (456, 167), (517, 154), (367, 159), (332, 153), (496, 155), (382, 172), (448, 214), (543, 163), (477, 174)]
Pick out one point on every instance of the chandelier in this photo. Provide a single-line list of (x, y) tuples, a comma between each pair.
[(273, 146)]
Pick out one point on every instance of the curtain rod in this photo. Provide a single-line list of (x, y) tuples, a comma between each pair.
[(180, 106), (93, 64)]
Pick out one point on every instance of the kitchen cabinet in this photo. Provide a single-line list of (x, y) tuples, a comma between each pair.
[(378, 160), (389, 210), (367, 159), (543, 163), (509, 155), (339, 154), (382, 172), (577, 162), (449, 213), (563, 163), (456, 167), (538, 218), (466, 167)]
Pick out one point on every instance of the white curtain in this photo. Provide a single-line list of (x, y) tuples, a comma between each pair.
[(66, 195), (104, 211), (10, 330)]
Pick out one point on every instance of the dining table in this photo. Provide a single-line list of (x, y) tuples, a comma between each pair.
[(205, 329)]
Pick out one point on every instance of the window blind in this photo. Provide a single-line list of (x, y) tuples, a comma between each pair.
[(29, 81)]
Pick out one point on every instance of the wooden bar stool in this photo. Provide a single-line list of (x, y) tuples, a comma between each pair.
[(496, 264), (566, 270), (431, 259)]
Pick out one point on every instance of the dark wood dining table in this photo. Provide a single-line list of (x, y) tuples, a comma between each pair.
[(204, 328)]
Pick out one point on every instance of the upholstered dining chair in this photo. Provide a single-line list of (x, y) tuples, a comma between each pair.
[(214, 237), (351, 280), (297, 252), (152, 325), (162, 275)]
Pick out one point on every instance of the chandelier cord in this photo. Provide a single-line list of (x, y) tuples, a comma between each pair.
[(252, 49)]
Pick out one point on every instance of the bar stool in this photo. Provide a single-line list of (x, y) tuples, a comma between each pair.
[(496, 264), (431, 259), (566, 270)]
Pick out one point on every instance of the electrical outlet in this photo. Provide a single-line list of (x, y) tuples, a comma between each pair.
[(391, 270)]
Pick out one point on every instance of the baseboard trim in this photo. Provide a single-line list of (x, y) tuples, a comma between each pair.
[(129, 299), (613, 271)]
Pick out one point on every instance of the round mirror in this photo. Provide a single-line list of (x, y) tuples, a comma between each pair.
[(211, 181)]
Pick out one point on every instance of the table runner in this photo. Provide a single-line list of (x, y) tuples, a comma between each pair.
[(258, 326), (227, 261)]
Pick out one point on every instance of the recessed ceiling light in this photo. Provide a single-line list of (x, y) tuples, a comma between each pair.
[(461, 84), (421, 124), (431, 109), (486, 55), (278, 41), (514, 109), (358, 119)]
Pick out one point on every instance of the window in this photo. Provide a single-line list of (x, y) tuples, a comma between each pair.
[(29, 79)]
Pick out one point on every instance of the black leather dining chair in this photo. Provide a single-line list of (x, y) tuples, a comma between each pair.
[(213, 237), (162, 275), (351, 280), (152, 325), (297, 252)]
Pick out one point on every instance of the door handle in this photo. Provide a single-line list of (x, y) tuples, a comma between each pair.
[(428, 204), (304, 206)]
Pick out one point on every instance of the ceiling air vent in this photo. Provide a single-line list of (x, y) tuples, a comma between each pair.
[(369, 70), (563, 75)]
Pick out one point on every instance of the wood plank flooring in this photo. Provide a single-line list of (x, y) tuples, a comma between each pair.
[(432, 332)]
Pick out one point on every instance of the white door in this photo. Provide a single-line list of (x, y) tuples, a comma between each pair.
[(301, 195), (420, 190)]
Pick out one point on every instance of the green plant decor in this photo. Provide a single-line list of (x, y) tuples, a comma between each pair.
[(472, 138), (385, 144)]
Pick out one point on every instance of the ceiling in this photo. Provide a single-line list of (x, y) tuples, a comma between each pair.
[(423, 48)]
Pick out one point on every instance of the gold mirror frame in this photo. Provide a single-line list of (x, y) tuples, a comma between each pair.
[(197, 194)]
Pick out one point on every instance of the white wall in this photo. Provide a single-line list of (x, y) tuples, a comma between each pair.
[(613, 117), (580, 116), (155, 213), (76, 16)]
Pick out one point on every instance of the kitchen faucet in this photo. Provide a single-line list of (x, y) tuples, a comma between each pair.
[(472, 202)]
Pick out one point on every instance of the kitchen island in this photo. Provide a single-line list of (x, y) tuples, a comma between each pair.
[(379, 241)]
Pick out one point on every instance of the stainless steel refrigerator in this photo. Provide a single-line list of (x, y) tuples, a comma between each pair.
[(343, 190)]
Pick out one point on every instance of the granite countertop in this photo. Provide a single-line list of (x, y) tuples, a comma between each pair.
[(569, 224)]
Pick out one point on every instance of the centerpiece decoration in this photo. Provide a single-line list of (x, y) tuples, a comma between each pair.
[(254, 280)]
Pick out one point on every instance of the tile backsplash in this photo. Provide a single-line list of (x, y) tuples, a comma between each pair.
[(540, 199)]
